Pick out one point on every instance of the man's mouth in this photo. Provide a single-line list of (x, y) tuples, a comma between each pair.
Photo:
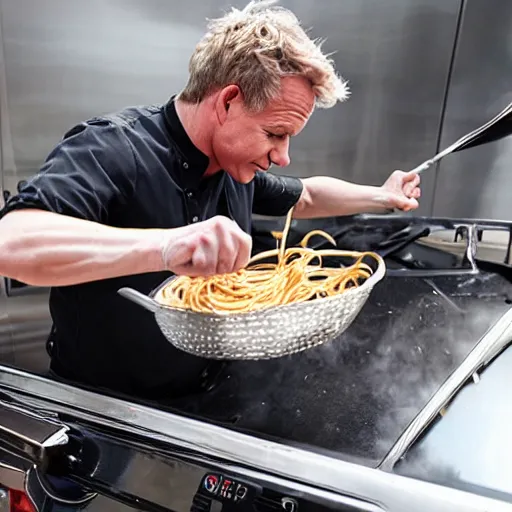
[(261, 168)]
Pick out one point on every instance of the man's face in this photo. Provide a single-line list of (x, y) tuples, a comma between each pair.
[(246, 142)]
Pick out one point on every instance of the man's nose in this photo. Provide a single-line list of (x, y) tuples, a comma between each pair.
[(280, 155)]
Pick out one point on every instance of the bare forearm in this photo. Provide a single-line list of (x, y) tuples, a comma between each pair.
[(46, 249), (325, 197)]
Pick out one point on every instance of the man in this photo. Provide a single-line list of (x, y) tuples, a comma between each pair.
[(126, 199)]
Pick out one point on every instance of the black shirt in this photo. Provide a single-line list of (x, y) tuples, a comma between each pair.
[(138, 169)]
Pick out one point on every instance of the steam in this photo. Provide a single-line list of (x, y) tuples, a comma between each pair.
[(356, 395), (407, 373)]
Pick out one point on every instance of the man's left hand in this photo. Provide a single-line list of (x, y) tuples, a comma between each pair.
[(402, 190)]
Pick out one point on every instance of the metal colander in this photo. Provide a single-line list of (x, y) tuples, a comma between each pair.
[(264, 334)]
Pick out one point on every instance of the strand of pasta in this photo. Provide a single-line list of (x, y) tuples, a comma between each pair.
[(297, 276)]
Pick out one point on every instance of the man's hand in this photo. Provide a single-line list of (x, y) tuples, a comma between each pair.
[(215, 246), (402, 191)]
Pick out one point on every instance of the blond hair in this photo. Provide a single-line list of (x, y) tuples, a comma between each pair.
[(254, 48)]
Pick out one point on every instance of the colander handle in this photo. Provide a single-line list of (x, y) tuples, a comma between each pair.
[(139, 298)]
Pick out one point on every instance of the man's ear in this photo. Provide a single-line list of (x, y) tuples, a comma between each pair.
[(228, 97)]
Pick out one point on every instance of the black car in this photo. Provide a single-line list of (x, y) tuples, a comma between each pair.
[(407, 411)]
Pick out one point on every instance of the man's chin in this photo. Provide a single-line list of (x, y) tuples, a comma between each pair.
[(244, 177)]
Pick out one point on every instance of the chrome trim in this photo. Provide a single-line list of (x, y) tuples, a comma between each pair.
[(30, 436), (491, 344), (442, 222), (397, 493), (471, 246), (60, 438), (429, 273), (38, 504), (12, 477)]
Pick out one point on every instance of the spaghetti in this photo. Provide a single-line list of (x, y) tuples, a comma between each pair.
[(298, 276)]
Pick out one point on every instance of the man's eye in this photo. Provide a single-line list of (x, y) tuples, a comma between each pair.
[(275, 136)]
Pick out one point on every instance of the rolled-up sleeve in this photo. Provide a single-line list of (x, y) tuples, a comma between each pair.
[(90, 171), (275, 195)]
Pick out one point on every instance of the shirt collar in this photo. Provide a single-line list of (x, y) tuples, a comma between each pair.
[(194, 160)]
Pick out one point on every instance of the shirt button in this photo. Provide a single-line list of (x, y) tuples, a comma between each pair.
[(195, 218), (190, 194), (185, 165)]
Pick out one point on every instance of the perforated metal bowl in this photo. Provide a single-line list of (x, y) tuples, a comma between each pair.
[(264, 334)]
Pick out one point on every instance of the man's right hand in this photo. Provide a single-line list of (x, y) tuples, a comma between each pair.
[(42, 248), (215, 246)]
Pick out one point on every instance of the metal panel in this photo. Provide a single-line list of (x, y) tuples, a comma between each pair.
[(6, 344), (476, 182), (385, 50), (29, 319), (67, 60)]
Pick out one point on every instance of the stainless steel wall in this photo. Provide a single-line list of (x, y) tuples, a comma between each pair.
[(68, 59), (65, 60), (478, 182)]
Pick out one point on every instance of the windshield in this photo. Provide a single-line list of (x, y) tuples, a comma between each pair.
[(470, 446)]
